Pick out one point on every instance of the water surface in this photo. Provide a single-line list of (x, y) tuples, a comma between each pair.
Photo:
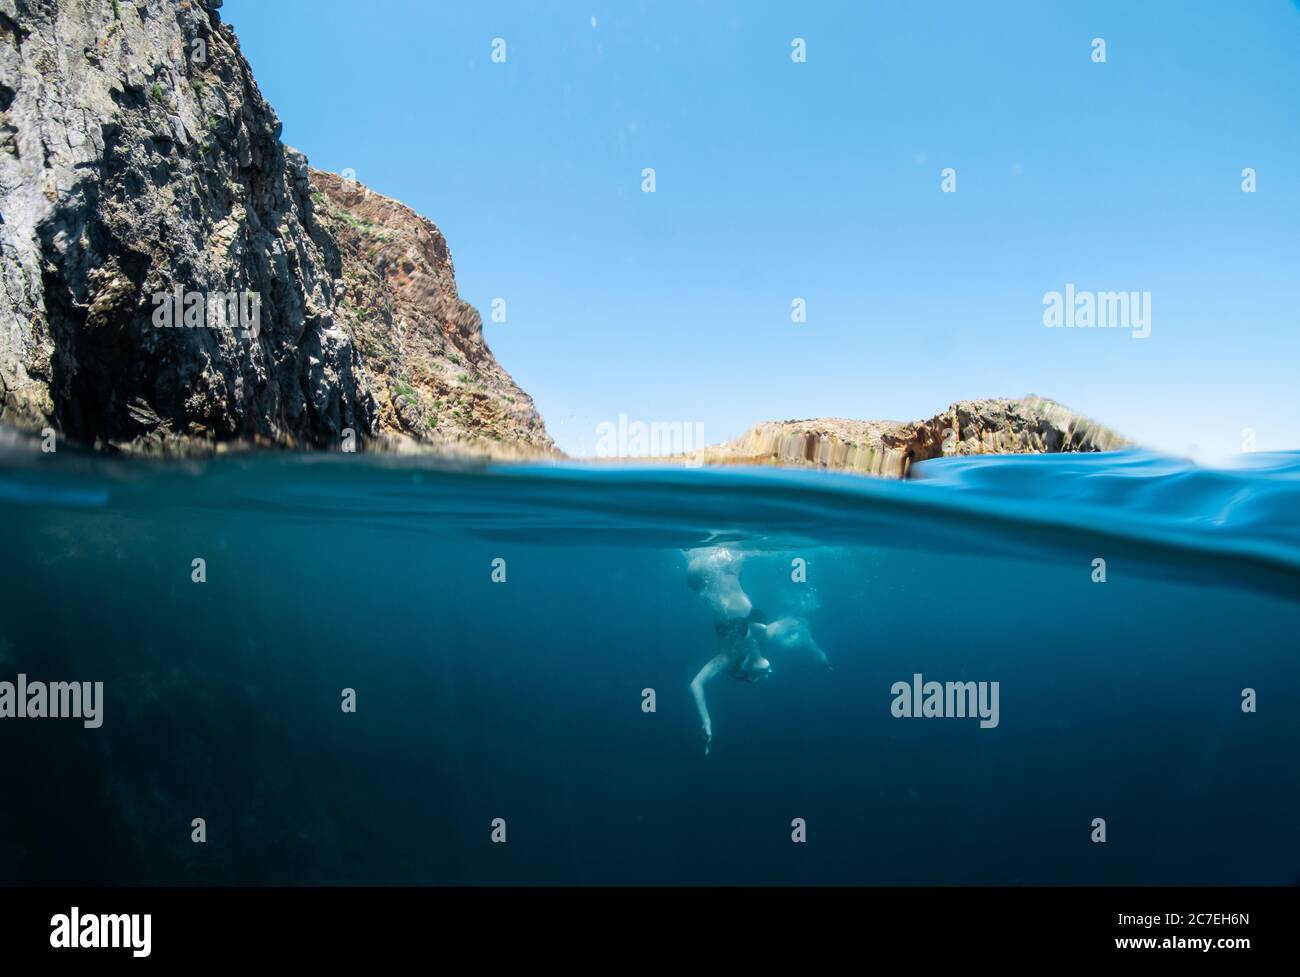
[(522, 700)]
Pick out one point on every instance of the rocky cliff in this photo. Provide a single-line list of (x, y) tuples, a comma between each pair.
[(1031, 425), (172, 281), (434, 378)]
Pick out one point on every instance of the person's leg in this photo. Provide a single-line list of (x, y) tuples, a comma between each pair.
[(789, 633)]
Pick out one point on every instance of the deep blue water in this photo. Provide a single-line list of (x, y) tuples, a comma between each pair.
[(522, 700)]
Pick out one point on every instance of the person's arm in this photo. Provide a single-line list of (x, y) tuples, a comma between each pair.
[(716, 664)]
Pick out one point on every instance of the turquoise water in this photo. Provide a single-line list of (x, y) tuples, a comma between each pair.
[(523, 699)]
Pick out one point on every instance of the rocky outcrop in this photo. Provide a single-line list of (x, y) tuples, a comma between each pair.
[(138, 161), (1031, 425), (433, 376)]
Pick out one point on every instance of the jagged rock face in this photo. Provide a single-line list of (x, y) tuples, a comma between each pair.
[(137, 160), (433, 375), (1032, 425), (140, 158)]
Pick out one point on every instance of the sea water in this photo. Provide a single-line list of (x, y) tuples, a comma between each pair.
[(347, 669)]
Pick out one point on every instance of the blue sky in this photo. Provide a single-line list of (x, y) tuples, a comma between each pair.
[(821, 181)]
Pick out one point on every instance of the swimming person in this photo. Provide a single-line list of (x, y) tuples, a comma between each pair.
[(743, 632)]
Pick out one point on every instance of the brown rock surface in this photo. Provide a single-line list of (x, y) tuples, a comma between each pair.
[(1030, 425), (435, 380)]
